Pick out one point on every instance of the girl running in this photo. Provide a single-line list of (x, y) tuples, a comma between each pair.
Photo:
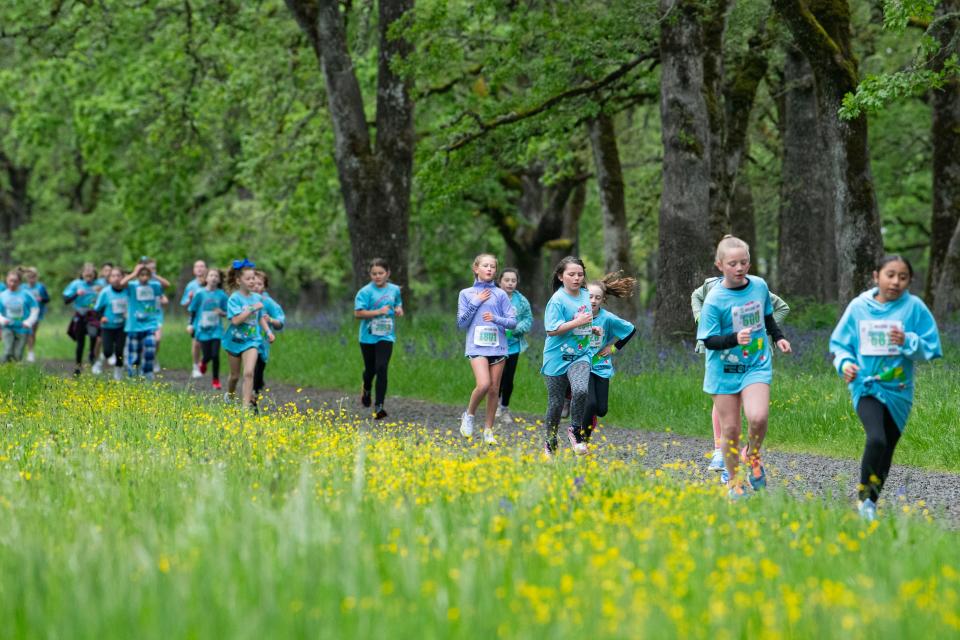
[(566, 352), (736, 319), (276, 318), (881, 334), (18, 317), (614, 332), (84, 323), (158, 333), (247, 328), (40, 294), (377, 305), (516, 339), (111, 307), (144, 295), (780, 311), (207, 307), (199, 282), (484, 311)]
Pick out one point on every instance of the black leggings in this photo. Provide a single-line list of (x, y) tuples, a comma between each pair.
[(506, 380), (376, 359), (82, 328), (598, 392), (113, 340), (258, 371), (882, 437), (210, 350)]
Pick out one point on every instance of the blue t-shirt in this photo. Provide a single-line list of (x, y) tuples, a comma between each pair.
[(40, 294), (86, 295), (612, 328), (143, 306), (207, 321), (17, 306), (192, 288), (156, 282), (726, 311), (112, 305), (559, 352), (886, 370), (100, 284), (370, 298), (273, 309), (239, 338)]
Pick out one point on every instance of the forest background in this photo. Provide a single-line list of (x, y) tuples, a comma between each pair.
[(312, 135)]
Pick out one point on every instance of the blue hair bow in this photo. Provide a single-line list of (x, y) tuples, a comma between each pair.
[(243, 264)]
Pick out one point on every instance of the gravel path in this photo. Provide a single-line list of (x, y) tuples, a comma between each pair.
[(798, 473)]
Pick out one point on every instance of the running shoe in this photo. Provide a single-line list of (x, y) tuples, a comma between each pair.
[(380, 414), (216, 384), (117, 373), (488, 437), (547, 451), (466, 425), (724, 476), (196, 373), (203, 367), (97, 368), (504, 415), (365, 396), (868, 510), (716, 462), (737, 492), (112, 361), (579, 447), (76, 371), (757, 475), (31, 357)]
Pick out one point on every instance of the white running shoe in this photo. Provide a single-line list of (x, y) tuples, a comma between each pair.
[(156, 366), (112, 361), (226, 397), (196, 372), (716, 461), (488, 437), (504, 415), (97, 368), (118, 373), (31, 357), (466, 425), (868, 510)]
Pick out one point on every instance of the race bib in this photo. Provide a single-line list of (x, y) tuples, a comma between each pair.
[(145, 293), (486, 336), (119, 306), (15, 310), (209, 319), (875, 338), (583, 330), (749, 316), (381, 326)]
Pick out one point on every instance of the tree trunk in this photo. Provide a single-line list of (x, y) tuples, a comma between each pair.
[(821, 29), (546, 218), (946, 299), (714, 25), (14, 204), (374, 176), (742, 219), (946, 155), (684, 243), (616, 236), (806, 262)]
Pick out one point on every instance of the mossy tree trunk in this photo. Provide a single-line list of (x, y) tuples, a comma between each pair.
[(616, 235), (14, 203), (684, 238), (375, 173), (821, 30), (946, 153), (806, 262)]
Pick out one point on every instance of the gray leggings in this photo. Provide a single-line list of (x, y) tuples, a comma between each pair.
[(577, 379)]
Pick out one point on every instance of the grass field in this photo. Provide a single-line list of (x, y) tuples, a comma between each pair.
[(130, 511), (654, 389)]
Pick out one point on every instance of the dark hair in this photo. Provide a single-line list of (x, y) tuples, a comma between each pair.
[(885, 260), (507, 270), (107, 264), (616, 284), (233, 277), (263, 276), (378, 262), (562, 266)]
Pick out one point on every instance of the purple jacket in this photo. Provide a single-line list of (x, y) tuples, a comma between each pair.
[(470, 317)]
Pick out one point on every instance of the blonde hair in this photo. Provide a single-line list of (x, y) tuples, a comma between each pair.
[(731, 242), (615, 284), (476, 261), (30, 270)]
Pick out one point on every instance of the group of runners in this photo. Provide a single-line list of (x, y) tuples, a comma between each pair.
[(880, 336)]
